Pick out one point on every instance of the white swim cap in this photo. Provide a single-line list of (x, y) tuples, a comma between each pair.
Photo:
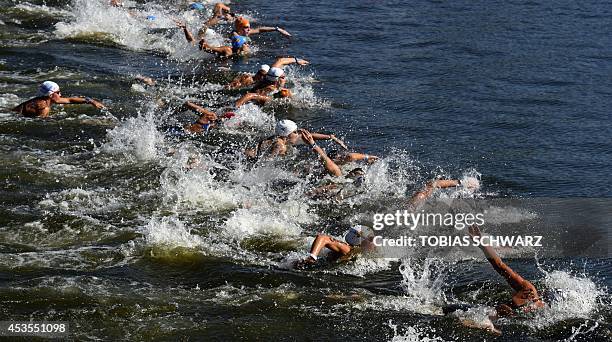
[(47, 88), (274, 73), (265, 68), (285, 127), (356, 235)]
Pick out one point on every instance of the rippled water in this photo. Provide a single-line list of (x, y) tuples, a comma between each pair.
[(106, 223)]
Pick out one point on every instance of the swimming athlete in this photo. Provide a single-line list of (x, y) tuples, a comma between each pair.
[(345, 157), (220, 12), (357, 239), (49, 94), (242, 27), (420, 196), (240, 44), (247, 79), (260, 81), (207, 120), (286, 134), (274, 81), (260, 99), (525, 297)]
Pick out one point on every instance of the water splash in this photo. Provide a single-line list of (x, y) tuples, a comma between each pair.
[(136, 139)]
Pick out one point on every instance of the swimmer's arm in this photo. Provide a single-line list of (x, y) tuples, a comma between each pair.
[(514, 279), (269, 29), (331, 167), (354, 156), (426, 192), (210, 115), (319, 136), (248, 97), (186, 31), (220, 8), (240, 81), (282, 61), (79, 100)]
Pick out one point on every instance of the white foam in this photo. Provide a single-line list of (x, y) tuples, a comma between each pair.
[(249, 115), (136, 139), (169, 232), (572, 297), (414, 334), (280, 221)]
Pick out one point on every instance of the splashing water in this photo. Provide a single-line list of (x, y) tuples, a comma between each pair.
[(136, 139), (413, 334), (570, 297), (420, 282), (169, 232)]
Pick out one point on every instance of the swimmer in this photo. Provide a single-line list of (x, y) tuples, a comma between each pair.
[(116, 3), (220, 12), (286, 134), (261, 99), (357, 239), (344, 157), (207, 120), (240, 44), (420, 196), (349, 185), (145, 79), (246, 79), (49, 94), (242, 27), (525, 297), (259, 80), (274, 81)]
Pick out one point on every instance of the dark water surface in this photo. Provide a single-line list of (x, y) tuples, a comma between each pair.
[(104, 225)]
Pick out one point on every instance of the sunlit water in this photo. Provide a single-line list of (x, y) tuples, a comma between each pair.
[(129, 232)]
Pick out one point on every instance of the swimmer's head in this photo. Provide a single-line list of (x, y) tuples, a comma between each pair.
[(285, 127), (356, 172), (196, 6), (470, 183), (264, 68), (274, 74), (242, 25), (357, 175), (337, 155), (357, 234), (238, 41), (151, 17), (283, 93), (48, 88)]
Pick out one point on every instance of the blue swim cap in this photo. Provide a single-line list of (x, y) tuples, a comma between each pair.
[(197, 6), (239, 41), (151, 17)]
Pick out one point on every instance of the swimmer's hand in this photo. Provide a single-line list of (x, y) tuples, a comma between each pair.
[(283, 32), (302, 61), (338, 141), (307, 137), (95, 103), (474, 231), (372, 159)]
